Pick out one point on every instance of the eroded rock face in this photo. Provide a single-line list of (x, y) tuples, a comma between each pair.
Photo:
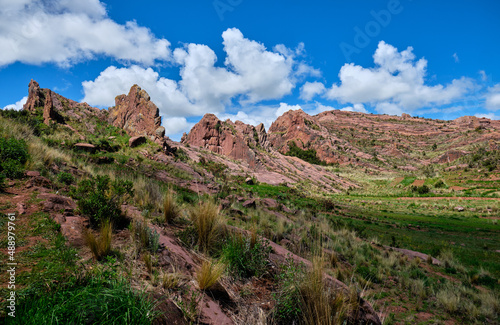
[(235, 140), (56, 108), (43, 98), (307, 133), (136, 113)]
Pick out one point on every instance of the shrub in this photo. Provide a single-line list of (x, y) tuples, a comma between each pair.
[(101, 199), (246, 256), (170, 208), (101, 246), (288, 302), (2, 181), (207, 223), (307, 155), (13, 155), (424, 189), (147, 238), (439, 184), (66, 178), (209, 274)]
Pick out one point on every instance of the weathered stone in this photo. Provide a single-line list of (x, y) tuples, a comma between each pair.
[(160, 132), (85, 147), (135, 113), (234, 140), (270, 203), (32, 173), (249, 203), (59, 203), (136, 141)]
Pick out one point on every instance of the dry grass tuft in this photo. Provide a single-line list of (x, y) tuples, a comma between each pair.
[(171, 280), (170, 207), (319, 304), (209, 274), (100, 246), (148, 260), (207, 221)]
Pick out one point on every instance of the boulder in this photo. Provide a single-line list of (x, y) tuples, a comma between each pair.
[(249, 203), (57, 203), (136, 141), (160, 132), (31, 173), (270, 203), (86, 147)]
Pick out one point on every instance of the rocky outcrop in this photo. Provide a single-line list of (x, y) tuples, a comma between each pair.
[(235, 140), (450, 156), (56, 108), (136, 114), (43, 99), (307, 133)]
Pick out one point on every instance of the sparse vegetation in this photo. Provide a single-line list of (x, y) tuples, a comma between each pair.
[(100, 246), (207, 222), (100, 198), (170, 208), (209, 274)]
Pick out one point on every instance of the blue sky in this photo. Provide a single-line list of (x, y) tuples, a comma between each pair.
[(254, 60)]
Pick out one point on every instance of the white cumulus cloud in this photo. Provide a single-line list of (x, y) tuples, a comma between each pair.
[(65, 32), (18, 105), (493, 98), (249, 74), (311, 89), (396, 84), (163, 92), (355, 108)]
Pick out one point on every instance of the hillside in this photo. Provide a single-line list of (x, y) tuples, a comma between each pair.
[(325, 219)]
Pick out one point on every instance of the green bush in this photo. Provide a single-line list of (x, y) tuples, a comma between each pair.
[(307, 155), (287, 309), (100, 199), (424, 189), (439, 184), (66, 178), (13, 156), (246, 256)]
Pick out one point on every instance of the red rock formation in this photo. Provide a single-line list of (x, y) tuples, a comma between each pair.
[(136, 114), (38, 98), (56, 108), (307, 133), (235, 140)]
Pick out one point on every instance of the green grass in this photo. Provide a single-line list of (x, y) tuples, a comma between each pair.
[(91, 300), (407, 181)]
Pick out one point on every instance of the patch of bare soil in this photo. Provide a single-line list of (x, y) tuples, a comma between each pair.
[(418, 182), (396, 181), (458, 188)]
